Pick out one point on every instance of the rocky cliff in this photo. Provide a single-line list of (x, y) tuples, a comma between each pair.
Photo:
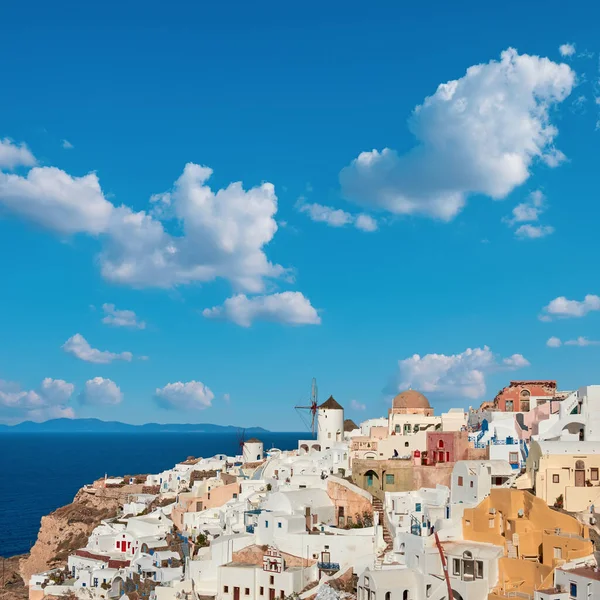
[(68, 528)]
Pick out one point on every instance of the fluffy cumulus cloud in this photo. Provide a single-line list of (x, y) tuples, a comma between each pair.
[(527, 212), (567, 49), (121, 318), (335, 217), (99, 391), (79, 347), (479, 134), (224, 234), (291, 308), (553, 342), (459, 375), (561, 307), (56, 200), (48, 401), (189, 395), (217, 233), (15, 155)]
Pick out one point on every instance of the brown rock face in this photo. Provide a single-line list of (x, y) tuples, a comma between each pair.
[(11, 584), (68, 528)]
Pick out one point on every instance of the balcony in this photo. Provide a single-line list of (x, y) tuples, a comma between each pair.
[(330, 567)]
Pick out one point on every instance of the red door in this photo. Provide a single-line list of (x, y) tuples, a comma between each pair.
[(236, 593), (271, 593)]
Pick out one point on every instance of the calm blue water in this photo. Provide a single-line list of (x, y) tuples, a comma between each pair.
[(41, 472)]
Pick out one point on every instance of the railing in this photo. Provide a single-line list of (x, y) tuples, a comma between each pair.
[(328, 566)]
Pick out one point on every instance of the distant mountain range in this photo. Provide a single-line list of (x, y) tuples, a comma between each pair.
[(98, 426)]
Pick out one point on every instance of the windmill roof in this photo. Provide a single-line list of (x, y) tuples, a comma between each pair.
[(331, 403), (350, 425), (253, 441)]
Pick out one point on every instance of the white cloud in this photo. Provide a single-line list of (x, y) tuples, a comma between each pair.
[(581, 341), (533, 232), (13, 155), (220, 234), (190, 395), (355, 405), (567, 49), (365, 223), (121, 318), (562, 307), (100, 391), (49, 401), (52, 198), (78, 346), (66, 144), (553, 342), (336, 217), (461, 375), (516, 361), (224, 236), (478, 134), (529, 210), (291, 308)]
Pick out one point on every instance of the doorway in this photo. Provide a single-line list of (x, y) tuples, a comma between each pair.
[(236, 593), (271, 593), (579, 478)]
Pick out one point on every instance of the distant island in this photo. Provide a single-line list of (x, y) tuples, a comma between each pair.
[(98, 426)]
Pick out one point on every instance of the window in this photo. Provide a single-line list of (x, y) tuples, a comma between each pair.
[(558, 552), (468, 523), (406, 444), (555, 478), (282, 594), (226, 589), (594, 474), (389, 478), (416, 428), (95, 582), (572, 590), (456, 566), (262, 590), (440, 443), (471, 483), (418, 507), (266, 524), (479, 569), (513, 458), (460, 480), (279, 524), (329, 436), (397, 429), (405, 595), (492, 523), (246, 591), (271, 580), (428, 590), (388, 596)]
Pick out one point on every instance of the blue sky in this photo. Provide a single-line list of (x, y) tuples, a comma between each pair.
[(470, 242)]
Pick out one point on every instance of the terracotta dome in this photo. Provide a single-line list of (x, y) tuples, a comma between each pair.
[(410, 399)]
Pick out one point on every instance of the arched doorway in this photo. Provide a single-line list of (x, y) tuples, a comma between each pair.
[(524, 398), (371, 478), (579, 473)]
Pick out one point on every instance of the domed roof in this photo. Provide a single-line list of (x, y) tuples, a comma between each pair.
[(410, 399)]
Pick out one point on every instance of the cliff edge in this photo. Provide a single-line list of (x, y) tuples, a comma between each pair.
[(68, 528)]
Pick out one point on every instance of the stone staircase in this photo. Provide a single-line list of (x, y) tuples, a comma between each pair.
[(387, 536)]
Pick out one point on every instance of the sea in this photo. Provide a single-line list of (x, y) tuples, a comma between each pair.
[(40, 472)]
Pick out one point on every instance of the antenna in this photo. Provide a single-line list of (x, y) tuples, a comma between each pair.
[(314, 393)]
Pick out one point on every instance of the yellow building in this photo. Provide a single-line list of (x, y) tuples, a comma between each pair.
[(536, 539), (564, 470)]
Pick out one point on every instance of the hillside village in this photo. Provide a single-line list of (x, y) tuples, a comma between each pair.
[(496, 502)]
